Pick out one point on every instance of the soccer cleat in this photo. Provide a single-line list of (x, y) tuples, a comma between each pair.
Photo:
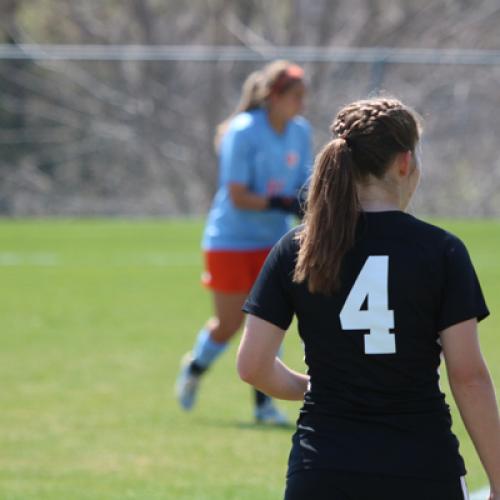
[(187, 384), (268, 414)]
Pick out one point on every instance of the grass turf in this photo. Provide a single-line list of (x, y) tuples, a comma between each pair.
[(94, 317)]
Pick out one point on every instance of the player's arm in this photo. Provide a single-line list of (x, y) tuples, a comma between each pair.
[(259, 365), (238, 169), (245, 199), (236, 163), (474, 394)]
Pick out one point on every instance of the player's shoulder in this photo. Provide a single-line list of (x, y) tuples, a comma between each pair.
[(245, 121), (300, 123), (438, 237), (242, 130), (288, 246)]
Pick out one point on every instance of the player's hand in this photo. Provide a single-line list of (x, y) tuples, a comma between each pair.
[(288, 204)]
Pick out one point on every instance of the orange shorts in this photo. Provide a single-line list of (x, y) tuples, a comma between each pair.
[(232, 271)]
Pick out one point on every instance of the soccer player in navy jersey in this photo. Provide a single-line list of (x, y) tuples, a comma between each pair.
[(379, 295), (265, 158)]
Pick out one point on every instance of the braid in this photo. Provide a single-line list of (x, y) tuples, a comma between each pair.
[(361, 117), (375, 130)]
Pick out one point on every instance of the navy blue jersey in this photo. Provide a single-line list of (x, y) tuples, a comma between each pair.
[(372, 349)]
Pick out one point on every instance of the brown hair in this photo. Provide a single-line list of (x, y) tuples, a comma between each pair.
[(367, 136), (276, 77)]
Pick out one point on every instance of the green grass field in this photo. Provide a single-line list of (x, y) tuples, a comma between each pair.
[(94, 317)]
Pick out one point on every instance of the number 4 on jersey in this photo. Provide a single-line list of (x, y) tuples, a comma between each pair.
[(372, 285)]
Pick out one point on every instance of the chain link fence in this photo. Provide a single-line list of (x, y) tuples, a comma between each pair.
[(129, 137)]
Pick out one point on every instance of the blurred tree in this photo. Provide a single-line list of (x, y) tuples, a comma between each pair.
[(118, 137)]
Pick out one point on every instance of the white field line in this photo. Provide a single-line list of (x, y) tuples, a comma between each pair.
[(48, 259), (14, 259)]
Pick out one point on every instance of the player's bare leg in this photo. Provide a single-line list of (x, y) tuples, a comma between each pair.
[(211, 343)]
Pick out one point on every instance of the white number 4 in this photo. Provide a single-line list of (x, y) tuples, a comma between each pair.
[(372, 285)]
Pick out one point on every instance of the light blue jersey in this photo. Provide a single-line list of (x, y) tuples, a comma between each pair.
[(254, 154)]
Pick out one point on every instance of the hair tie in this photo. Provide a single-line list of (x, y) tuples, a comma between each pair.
[(344, 139)]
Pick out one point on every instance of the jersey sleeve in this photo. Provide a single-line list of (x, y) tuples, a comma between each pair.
[(270, 297), (462, 297), (235, 158)]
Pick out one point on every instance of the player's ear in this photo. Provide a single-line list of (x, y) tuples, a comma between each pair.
[(404, 163)]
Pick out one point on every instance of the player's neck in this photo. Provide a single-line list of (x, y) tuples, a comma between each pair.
[(277, 122), (375, 198), (375, 206)]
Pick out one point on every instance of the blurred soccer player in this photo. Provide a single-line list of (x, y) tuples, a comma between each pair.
[(265, 159), (378, 295)]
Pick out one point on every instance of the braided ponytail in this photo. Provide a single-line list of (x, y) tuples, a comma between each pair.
[(369, 133), (333, 209)]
